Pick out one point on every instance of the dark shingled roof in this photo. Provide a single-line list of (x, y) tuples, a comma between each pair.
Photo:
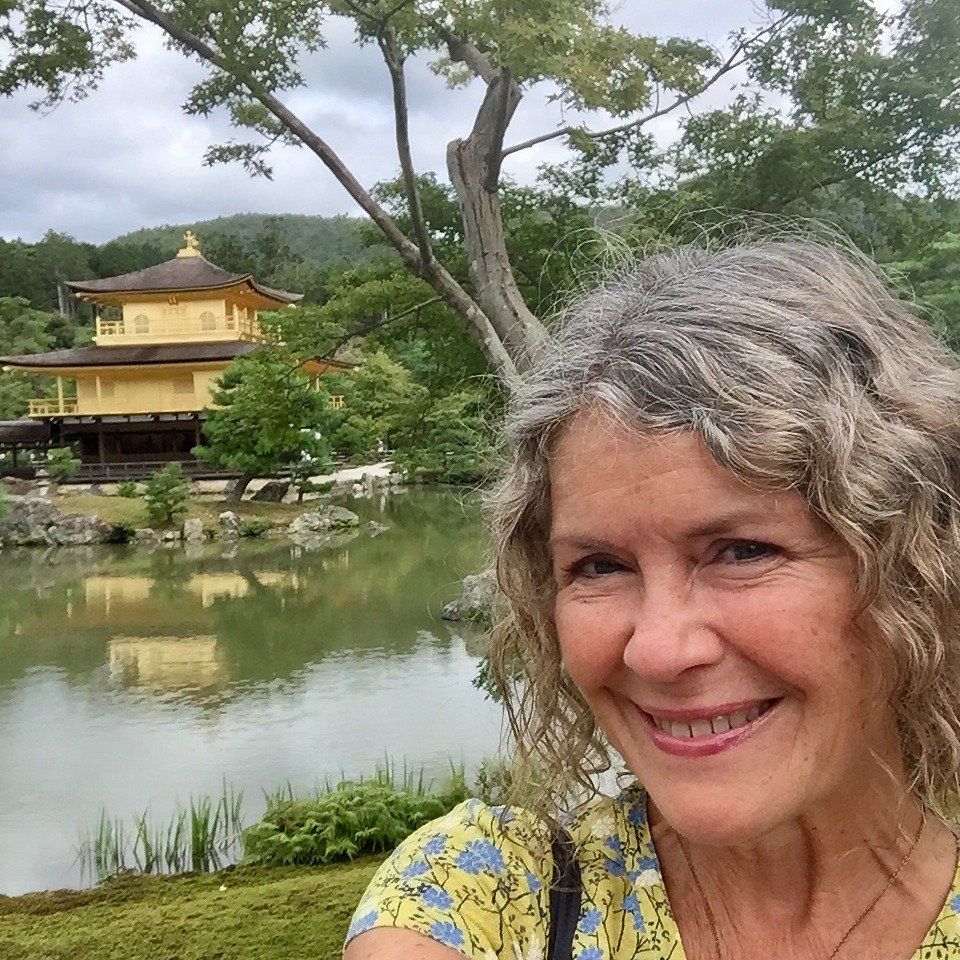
[(180, 273), (134, 356), (24, 431)]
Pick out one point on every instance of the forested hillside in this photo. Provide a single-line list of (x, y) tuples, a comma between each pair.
[(290, 251), (317, 241)]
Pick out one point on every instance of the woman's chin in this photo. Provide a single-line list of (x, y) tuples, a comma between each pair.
[(714, 821)]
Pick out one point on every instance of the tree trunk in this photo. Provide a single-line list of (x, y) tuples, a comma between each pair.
[(474, 168), (236, 491)]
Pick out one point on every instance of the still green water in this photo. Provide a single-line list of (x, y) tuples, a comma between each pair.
[(131, 680)]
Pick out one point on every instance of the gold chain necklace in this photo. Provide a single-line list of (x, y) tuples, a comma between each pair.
[(853, 926)]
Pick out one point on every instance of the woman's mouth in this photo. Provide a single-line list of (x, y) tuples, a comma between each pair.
[(705, 732)]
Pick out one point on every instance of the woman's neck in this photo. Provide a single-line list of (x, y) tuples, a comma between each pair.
[(812, 881)]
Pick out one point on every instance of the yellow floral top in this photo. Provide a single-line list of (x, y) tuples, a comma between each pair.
[(470, 880)]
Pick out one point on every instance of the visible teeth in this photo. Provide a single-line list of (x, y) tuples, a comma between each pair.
[(704, 728), (738, 719), (720, 724)]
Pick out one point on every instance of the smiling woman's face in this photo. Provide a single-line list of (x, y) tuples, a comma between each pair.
[(709, 625)]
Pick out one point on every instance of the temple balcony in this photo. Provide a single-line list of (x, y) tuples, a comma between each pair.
[(205, 326), (42, 409), (38, 409)]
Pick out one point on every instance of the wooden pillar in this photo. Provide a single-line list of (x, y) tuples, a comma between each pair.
[(60, 394), (101, 446)]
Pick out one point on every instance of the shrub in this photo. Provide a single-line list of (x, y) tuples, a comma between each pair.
[(62, 463), (128, 489), (4, 502), (351, 819), (254, 527), (165, 493), (120, 533)]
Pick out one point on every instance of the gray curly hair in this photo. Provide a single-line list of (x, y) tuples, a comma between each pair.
[(800, 370)]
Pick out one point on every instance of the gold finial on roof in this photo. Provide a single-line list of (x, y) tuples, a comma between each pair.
[(191, 246)]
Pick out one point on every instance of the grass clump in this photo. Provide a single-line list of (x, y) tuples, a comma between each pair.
[(346, 821), (205, 836), (254, 527)]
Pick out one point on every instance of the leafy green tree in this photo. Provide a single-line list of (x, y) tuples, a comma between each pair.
[(454, 444), (382, 401), (166, 493), (22, 330), (266, 415), (62, 463), (864, 92), (931, 277)]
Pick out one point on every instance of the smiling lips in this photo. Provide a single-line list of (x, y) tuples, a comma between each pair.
[(697, 733)]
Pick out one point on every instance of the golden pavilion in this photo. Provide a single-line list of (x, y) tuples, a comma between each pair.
[(134, 399)]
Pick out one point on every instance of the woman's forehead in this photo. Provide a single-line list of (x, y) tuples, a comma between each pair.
[(605, 473)]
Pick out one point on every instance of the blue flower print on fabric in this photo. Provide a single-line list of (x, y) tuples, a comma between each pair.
[(631, 905), (615, 844), (591, 953), (505, 815), (590, 921), (435, 845), (416, 869), (616, 868), (480, 855), (535, 885), (362, 923), (955, 904), (435, 897), (637, 814), (447, 933)]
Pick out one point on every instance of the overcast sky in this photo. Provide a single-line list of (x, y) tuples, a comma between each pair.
[(127, 157)]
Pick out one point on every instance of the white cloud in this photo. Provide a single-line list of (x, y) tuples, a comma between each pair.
[(128, 157)]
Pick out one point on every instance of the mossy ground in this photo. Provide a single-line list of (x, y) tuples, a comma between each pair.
[(265, 913)]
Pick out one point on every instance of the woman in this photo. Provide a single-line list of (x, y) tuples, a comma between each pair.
[(730, 541)]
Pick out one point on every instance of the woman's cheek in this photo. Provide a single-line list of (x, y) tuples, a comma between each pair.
[(592, 634)]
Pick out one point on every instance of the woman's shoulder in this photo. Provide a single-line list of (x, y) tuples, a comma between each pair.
[(475, 879), (943, 940), (478, 878)]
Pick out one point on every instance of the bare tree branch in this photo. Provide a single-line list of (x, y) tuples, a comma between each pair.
[(372, 325), (463, 51), (738, 56), (394, 60)]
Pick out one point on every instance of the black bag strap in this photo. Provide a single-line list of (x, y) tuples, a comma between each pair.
[(564, 898)]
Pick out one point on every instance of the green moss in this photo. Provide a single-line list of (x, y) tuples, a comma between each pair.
[(265, 913)]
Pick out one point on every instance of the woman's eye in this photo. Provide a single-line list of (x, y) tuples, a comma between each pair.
[(594, 567), (745, 551)]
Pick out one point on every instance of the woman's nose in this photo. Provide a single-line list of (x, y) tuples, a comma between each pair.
[(671, 634)]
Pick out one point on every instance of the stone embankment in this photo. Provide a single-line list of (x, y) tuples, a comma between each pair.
[(34, 519)]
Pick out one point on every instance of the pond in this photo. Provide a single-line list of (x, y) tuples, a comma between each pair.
[(133, 680)]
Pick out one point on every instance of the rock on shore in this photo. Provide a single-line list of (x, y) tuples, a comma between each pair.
[(35, 521), (475, 603)]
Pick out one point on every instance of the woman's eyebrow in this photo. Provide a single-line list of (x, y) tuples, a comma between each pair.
[(580, 542), (711, 527), (729, 521)]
